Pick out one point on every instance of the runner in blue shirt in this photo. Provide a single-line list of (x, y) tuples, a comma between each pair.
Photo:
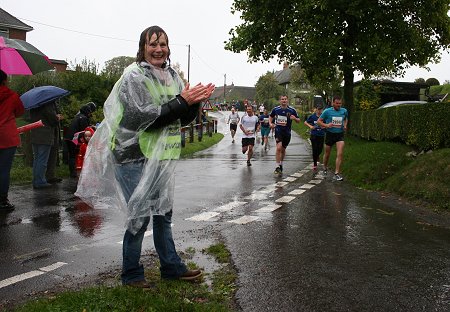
[(281, 119), (265, 128), (317, 135), (335, 120)]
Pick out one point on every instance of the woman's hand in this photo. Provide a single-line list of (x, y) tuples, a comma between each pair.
[(197, 93)]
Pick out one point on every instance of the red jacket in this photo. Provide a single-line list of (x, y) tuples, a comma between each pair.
[(11, 107)]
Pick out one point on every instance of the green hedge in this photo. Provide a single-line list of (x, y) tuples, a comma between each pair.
[(423, 126)]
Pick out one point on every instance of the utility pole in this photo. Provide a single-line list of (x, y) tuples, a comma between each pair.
[(189, 60), (224, 86)]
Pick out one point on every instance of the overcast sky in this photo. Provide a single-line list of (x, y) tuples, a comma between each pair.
[(102, 29)]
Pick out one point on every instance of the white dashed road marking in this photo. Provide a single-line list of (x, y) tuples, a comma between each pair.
[(31, 274), (290, 179), (268, 208), (230, 206), (244, 219), (297, 192), (204, 216), (307, 186), (285, 199)]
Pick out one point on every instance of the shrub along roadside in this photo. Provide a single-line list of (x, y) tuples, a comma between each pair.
[(384, 166)]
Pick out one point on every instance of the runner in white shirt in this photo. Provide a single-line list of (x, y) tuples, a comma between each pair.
[(233, 120), (249, 125), (261, 109)]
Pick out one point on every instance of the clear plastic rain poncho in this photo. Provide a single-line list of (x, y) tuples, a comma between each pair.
[(124, 144)]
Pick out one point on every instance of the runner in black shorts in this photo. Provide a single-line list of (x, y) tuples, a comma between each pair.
[(249, 126), (334, 120), (233, 120), (281, 119), (332, 138)]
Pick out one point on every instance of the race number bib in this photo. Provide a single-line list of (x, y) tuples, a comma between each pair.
[(266, 121), (336, 121), (281, 120), (250, 130)]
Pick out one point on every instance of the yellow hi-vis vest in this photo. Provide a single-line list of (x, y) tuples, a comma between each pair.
[(148, 140)]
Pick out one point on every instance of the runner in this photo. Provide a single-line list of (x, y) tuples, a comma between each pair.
[(281, 119), (335, 120), (317, 135), (233, 120), (265, 128), (249, 125), (261, 109)]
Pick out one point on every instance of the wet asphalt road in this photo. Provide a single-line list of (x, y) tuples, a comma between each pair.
[(299, 242)]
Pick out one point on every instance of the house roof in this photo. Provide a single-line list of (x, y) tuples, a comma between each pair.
[(283, 76), (233, 92), (9, 21), (58, 62)]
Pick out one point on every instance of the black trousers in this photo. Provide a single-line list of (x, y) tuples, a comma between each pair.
[(317, 147)]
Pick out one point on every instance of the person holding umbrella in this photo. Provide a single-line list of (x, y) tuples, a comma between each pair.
[(11, 107), (45, 142), (41, 101)]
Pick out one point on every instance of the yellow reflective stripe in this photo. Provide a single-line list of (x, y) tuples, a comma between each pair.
[(171, 144)]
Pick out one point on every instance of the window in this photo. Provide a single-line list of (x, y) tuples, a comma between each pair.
[(4, 32)]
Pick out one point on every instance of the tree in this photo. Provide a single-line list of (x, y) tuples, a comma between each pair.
[(432, 82), (419, 80), (372, 37), (268, 90), (177, 68), (115, 66)]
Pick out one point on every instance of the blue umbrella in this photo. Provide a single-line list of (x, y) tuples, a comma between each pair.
[(41, 95)]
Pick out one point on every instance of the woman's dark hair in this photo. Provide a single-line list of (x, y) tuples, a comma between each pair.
[(145, 36), (3, 77)]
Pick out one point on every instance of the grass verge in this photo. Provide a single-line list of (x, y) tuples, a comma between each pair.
[(385, 166), (166, 296), (196, 146)]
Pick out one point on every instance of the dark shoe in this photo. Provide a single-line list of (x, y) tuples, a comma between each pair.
[(249, 163), (6, 206), (54, 180), (278, 170), (191, 275), (42, 186), (338, 177), (141, 284)]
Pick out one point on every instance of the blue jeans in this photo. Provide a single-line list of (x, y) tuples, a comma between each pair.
[(171, 266), (41, 152), (6, 160)]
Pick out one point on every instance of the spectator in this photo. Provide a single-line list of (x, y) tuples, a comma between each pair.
[(79, 123), (131, 157), (43, 139), (11, 107)]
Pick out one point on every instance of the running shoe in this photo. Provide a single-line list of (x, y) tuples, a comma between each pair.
[(314, 168), (278, 170), (232, 141), (338, 177), (281, 168), (249, 163), (324, 172)]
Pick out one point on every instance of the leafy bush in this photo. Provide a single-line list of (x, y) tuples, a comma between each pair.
[(366, 96), (423, 126)]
